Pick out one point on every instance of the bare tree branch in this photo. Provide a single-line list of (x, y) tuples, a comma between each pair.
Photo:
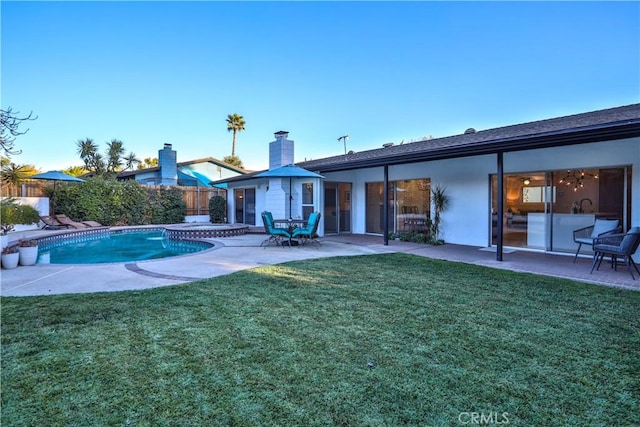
[(10, 121)]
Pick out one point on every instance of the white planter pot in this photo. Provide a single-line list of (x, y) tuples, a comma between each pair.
[(28, 255), (10, 261)]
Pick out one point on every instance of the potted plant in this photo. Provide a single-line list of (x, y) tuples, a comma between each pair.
[(28, 250), (440, 200), (10, 257)]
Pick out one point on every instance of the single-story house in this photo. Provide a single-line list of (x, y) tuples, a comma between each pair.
[(527, 185), (200, 172)]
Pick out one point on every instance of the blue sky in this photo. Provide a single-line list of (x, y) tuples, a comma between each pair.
[(150, 73)]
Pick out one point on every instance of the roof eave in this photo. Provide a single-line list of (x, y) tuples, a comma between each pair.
[(586, 135)]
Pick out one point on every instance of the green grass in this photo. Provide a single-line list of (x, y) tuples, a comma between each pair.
[(290, 345)]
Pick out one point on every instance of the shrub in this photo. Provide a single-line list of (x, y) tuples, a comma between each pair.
[(12, 213), (217, 210), (110, 202), (106, 201), (165, 205)]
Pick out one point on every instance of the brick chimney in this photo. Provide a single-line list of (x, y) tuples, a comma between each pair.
[(167, 160), (280, 150)]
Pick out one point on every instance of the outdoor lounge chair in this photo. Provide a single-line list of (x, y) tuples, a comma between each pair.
[(65, 220), (309, 234), (621, 246), (601, 227), (275, 234), (92, 223), (50, 223)]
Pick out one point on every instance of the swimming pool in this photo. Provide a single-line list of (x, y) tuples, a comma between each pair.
[(115, 246)]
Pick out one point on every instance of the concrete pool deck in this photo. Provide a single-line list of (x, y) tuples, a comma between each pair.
[(231, 254)]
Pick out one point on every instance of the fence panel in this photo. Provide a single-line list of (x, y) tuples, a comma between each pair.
[(197, 198), (26, 189)]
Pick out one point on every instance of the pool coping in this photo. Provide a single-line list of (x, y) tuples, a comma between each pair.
[(65, 234)]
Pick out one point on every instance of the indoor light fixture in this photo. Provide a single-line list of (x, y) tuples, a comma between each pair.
[(576, 178)]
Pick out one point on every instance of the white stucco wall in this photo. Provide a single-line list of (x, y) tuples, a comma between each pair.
[(275, 199), (41, 204), (467, 183), (467, 221)]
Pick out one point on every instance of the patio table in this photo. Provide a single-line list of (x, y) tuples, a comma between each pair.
[(290, 225)]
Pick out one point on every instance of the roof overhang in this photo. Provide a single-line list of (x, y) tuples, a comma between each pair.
[(608, 132)]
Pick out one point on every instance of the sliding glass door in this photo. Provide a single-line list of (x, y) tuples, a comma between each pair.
[(543, 208), (337, 207), (245, 205), (409, 206)]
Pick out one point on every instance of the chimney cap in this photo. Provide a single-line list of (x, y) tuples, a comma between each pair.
[(282, 132), (167, 145)]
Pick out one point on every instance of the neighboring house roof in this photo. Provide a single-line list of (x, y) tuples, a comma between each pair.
[(602, 125), (125, 174), (187, 175), (215, 161)]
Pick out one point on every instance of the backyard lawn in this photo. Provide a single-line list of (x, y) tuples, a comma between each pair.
[(379, 340)]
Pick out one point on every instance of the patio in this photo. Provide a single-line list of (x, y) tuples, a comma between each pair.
[(236, 253)]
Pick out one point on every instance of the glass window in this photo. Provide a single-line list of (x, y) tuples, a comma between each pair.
[(409, 205), (307, 199), (542, 209)]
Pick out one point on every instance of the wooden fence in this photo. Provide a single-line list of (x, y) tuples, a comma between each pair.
[(196, 198)]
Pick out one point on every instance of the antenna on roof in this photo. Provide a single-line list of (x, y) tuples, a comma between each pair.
[(344, 139)]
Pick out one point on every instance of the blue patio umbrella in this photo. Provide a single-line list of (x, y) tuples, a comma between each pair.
[(55, 176), (288, 171)]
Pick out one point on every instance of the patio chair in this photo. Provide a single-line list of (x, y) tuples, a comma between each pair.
[(65, 220), (309, 234), (586, 235), (50, 223), (622, 245), (275, 234), (92, 223)]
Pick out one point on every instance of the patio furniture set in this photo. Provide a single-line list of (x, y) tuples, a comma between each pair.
[(62, 221), (606, 238), (290, 232)]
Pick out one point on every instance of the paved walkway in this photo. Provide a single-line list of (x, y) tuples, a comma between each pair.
[(232, 254)]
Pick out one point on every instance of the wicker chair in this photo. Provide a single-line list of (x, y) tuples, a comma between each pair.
[(619, 246), (586, 235)]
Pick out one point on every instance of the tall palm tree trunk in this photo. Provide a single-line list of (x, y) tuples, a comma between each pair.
[(233, 145)]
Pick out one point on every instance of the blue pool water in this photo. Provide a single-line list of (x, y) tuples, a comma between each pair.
[(115, 246)]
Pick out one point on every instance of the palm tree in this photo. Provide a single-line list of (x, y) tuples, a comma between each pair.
[(87, 150), (115, 151), (148, 162), (130, 160), (75, 170), (12, 175), (235, 123)]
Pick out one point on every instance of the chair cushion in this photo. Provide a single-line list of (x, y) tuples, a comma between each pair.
[(603, 226), (279, 232), (609, 249), (298, 232), (584, 240)]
